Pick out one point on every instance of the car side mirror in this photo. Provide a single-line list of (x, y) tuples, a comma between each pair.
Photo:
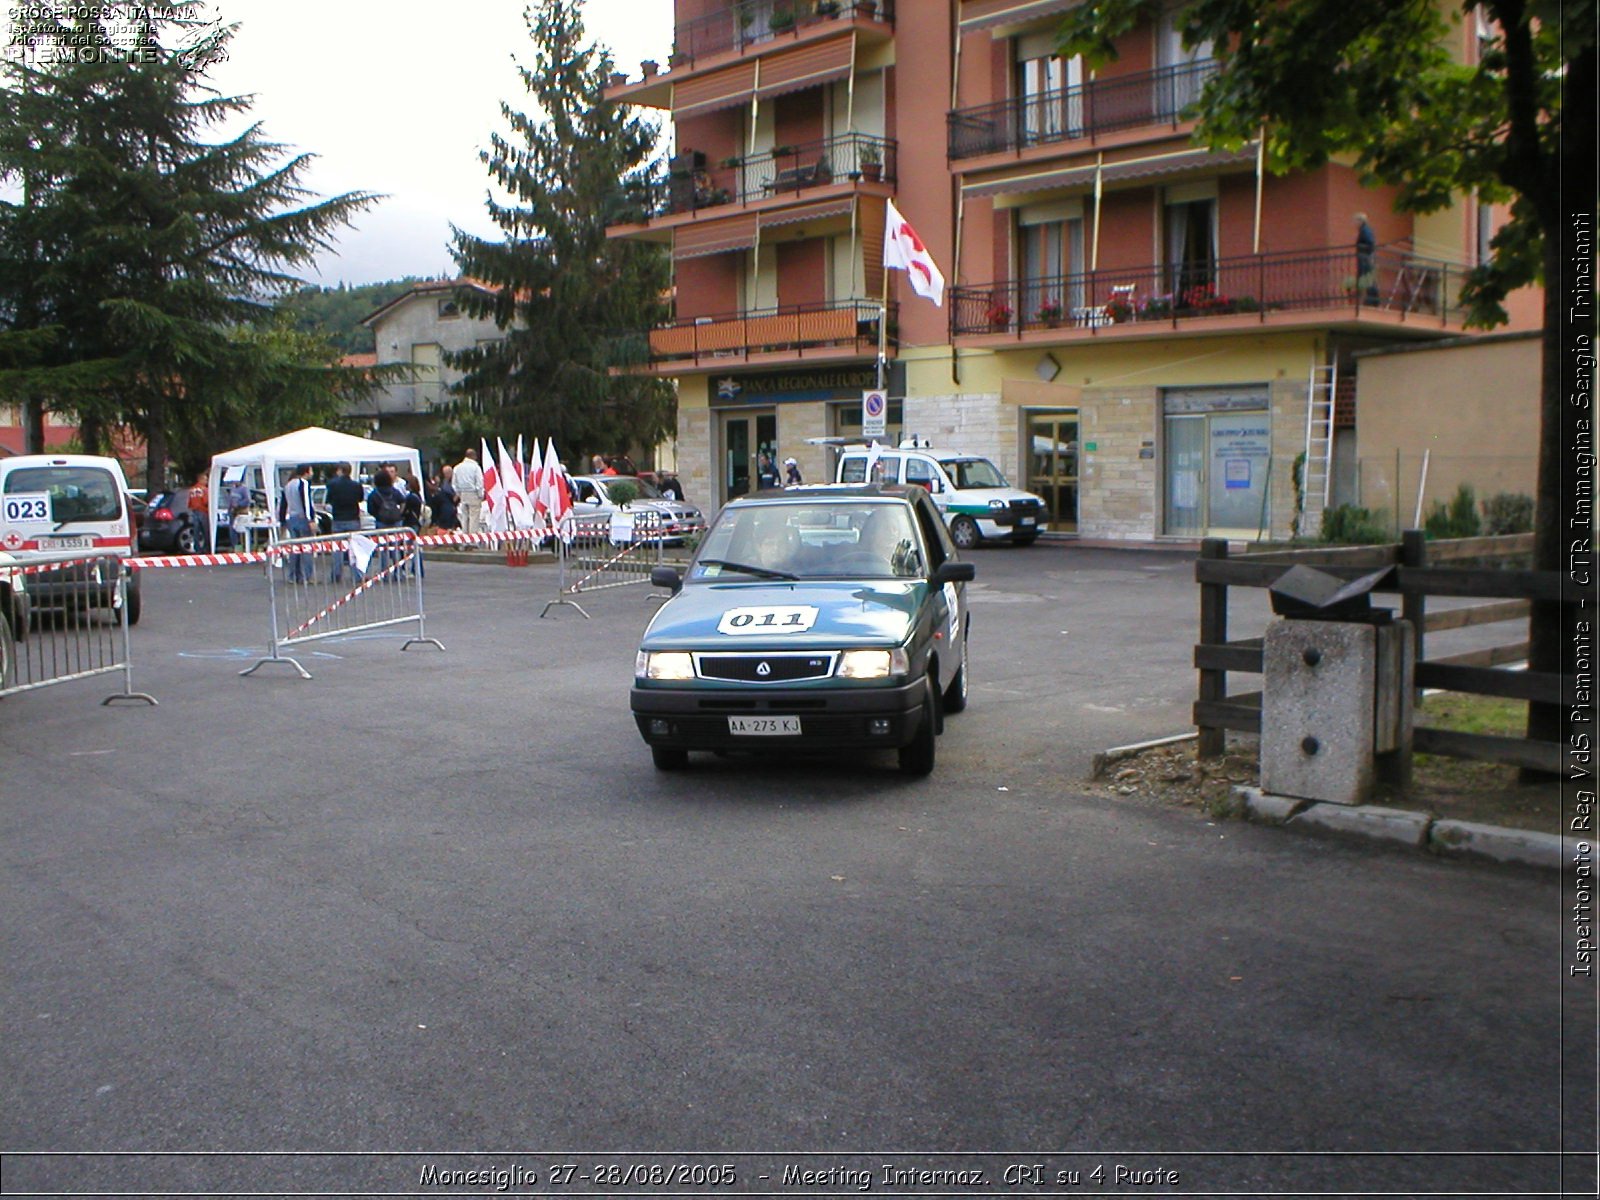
[(953, 572), (666, 577)]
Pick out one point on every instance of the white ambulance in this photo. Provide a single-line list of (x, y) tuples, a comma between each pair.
[(978, 502), (69, 504)]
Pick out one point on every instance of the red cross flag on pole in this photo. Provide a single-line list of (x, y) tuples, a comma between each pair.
[(903, 250)]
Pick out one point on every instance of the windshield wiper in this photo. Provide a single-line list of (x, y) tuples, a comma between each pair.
[(762, 572)]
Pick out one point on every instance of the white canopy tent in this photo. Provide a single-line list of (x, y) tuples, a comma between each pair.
[(310, 445)]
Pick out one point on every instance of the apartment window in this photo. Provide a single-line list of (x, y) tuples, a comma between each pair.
[(1049, 88), (1050, 248), (448, 309), (1190, 216), (1178, 81), (1485, 222)]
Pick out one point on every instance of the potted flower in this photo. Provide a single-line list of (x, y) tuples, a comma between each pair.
[(648, 67), (871, 162), (1050, 313), (782, 19), (733, 162), (677, 58), (1120, 308), (619, 78), (1000, 315)]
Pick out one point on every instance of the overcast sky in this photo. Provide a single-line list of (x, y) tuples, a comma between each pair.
[(399, 99)]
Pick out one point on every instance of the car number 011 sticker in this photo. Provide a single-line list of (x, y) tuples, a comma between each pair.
[(791, 618), (26, 508)]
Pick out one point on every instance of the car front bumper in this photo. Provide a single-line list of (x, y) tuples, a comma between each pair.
[(860, 718)]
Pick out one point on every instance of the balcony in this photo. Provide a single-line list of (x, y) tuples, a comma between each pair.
[(785, 171), (841, 329), (1297, 287), (1084, 112), (753, 22)]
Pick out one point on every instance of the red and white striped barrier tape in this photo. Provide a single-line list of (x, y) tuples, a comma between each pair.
[(352, 594)]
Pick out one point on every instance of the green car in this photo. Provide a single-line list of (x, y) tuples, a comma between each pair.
[(829, 618)]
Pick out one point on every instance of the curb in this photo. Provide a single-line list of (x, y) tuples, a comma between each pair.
[(1414, 830)]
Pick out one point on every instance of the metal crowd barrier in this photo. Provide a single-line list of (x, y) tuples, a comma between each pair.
[(317, 589), (72, 625), (607, 553)]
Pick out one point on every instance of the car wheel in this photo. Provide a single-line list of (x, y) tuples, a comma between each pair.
[(964, 533), (955, 696), (187, 540), (917, 757), (135, 602), (669, 758)]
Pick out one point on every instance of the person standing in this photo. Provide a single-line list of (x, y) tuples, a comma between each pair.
[(344, 505), (766, 472), (442, 500), (468, 479), (297, 519), (200, 514), (792, 476), (1366, 258), (239, 504)]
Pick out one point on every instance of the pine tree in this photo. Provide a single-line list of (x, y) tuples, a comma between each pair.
[(560, 289), (139, 252)]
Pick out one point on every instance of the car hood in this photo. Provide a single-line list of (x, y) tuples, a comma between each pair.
[(804, 615), (980, 497)]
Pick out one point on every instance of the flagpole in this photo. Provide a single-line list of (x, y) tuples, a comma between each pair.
[(883, 333)]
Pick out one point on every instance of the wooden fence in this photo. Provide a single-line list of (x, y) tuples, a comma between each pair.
[(1419, 576)]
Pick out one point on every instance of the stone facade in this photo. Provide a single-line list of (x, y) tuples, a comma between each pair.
[(1119, 493)]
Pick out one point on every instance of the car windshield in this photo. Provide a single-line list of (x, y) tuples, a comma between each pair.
[(643, 488), (76, 493), (973, 473), (835, 539)]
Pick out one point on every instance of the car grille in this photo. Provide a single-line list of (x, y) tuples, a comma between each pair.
[(1025, 507), (765, 668)]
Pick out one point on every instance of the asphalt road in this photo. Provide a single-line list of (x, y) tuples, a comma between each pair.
[(433, 902)]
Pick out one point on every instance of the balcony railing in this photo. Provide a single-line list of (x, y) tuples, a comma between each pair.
[(848, 325), (1256, 284), (785, 170), (1104, 106), (755, 21)]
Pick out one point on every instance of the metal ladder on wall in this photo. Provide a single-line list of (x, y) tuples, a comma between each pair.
[(1317, 477)]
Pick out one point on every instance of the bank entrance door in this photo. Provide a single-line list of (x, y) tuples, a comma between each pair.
[(1053, 466), (746, 435)]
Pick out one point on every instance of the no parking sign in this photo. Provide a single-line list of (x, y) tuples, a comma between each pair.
[(874, 414)]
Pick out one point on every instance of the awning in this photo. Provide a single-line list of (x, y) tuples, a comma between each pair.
[(818, 211), (805, 67), (714, 237), (720, 89), (1154, 167), (986, 14)]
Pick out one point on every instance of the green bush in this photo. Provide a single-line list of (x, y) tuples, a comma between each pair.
[(1457, 519), (1352, 525), (1508, 512), (622, 492)]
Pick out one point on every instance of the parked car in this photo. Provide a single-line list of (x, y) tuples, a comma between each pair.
[(596, 497), (78, 504), (170, 526), (827, 619), (972, 493), (13, 614)]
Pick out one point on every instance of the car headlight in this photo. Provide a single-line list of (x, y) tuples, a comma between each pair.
[(997, 504), (664, 664), (874, 664)]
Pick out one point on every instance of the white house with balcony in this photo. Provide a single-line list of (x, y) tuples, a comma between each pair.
[(419, 328)]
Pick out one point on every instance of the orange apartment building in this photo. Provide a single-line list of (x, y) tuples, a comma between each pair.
[(1142, 330)]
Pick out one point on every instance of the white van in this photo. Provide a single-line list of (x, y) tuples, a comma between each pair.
[(68, 504), (977, 501)]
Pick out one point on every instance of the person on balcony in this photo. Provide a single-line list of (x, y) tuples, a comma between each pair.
[(1366, 259)]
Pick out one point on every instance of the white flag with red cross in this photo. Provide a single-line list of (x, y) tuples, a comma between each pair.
[(903, 250)]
